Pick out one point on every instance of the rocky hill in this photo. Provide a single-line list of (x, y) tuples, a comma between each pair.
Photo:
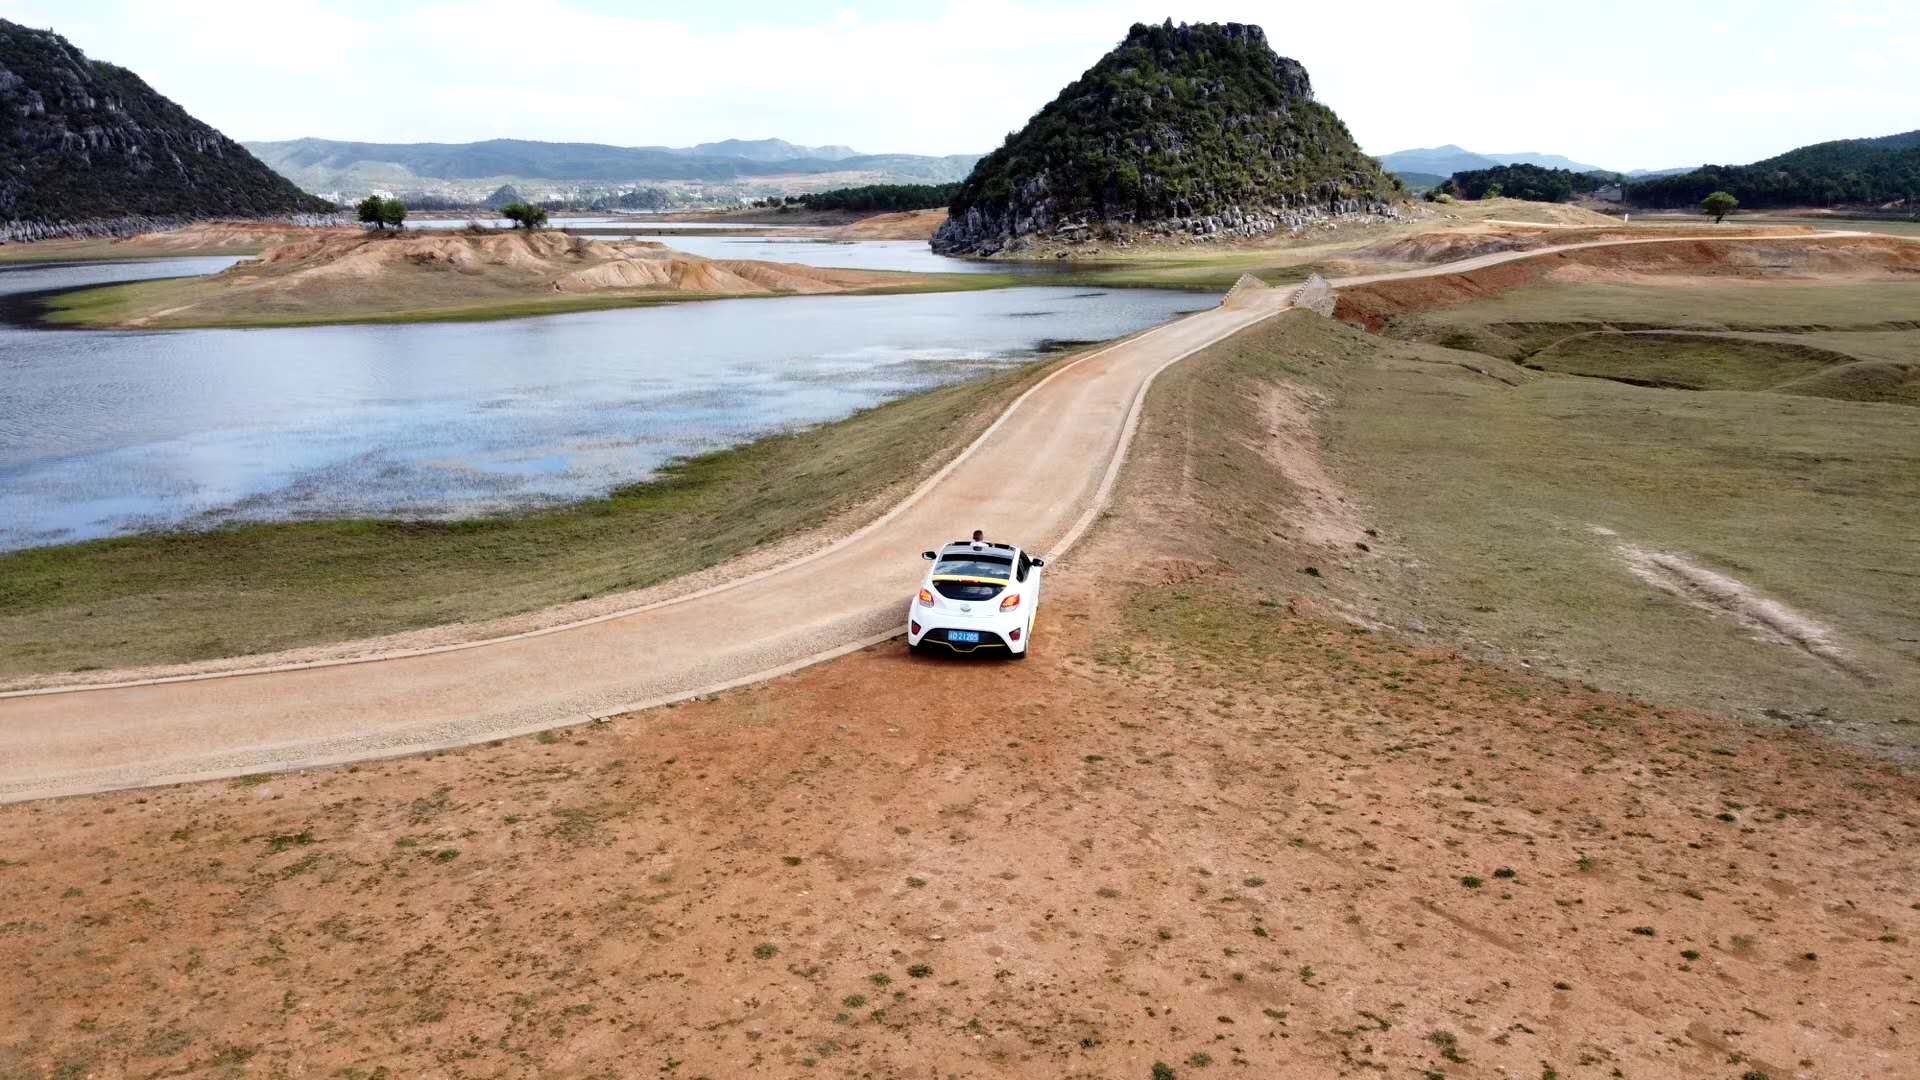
[(1198, 128), (87, 148)]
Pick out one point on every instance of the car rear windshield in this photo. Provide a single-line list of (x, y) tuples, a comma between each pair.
[(977, 566), (967, 590)]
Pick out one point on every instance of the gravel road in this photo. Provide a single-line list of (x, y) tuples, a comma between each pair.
[(1037, 476)]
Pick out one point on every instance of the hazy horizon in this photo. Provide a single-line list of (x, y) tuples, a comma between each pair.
[(1646, 86)]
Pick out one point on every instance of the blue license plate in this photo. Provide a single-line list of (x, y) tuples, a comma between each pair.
[(964, 637)]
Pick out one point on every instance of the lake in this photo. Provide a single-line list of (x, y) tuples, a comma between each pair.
[(904, 255), (104, 433)]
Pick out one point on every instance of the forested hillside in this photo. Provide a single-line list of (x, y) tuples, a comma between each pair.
[(1522, 182), (1846, 172)]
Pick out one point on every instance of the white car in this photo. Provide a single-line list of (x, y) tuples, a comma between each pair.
[(976, 596)]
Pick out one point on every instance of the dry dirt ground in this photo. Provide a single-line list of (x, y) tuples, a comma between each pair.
[(1781, 265), (904, 225), (1207, 831)]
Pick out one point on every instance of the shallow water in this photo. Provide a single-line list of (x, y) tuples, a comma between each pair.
[(105, 433), (637, 221), (909, 255)]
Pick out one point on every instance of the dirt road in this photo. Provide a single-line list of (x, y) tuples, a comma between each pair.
[(1035, 475), (1039, 474)]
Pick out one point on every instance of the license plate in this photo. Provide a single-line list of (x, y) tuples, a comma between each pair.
[(964, 637)]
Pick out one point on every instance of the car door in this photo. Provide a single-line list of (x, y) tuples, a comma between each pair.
[(1029, 575)]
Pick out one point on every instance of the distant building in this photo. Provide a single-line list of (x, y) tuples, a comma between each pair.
[(1610, 193)]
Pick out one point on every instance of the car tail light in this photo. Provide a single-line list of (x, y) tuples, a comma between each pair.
[(926, 597), (1012, 601), (1015, 634)]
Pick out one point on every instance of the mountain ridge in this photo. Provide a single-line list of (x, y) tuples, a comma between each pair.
[(1882, 170), (1447, 159), (88, 148), (353, 167)]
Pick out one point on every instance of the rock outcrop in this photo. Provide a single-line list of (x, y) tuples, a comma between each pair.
[(1199, 130), (88, 149)]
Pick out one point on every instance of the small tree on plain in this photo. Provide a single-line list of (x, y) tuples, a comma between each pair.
[(371, 211), (1719, 204), (393, 213), (524, 215)]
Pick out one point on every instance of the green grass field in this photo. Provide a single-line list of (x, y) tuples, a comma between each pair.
[(1490, 492), (249, 589)]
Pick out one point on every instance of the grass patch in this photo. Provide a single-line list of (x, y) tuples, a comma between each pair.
[(1496, 477), (1500, 484), (1683, 361), (188, 596)]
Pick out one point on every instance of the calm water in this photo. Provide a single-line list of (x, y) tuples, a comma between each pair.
[(105, 433), (637, 221), (910, 255)]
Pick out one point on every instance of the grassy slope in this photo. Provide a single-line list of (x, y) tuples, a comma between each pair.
[(1685, 361), (1853, 342), (1491, 492), (236, 591), (1795, 306)]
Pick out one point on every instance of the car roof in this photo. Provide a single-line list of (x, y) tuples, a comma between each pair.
[(966, 547)]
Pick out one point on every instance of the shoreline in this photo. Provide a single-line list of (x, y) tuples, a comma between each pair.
[(469, 577), (63, 309)]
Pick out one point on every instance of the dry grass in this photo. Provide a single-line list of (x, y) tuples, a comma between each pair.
[(1202, 826), (1497, 482)]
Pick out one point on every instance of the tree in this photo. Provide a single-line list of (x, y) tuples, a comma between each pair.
[(524, 215), (1719, 204), (380, 213)]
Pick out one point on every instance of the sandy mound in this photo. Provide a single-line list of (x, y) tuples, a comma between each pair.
[(544, 261), (236, 236), (1855, 258), (905, 225)]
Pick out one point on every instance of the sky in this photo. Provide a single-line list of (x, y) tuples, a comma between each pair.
[(1621, 85)]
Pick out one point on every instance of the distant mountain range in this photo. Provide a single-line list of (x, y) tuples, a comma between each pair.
[(88, 148), (764, 150), (541, 169), (1444, 161)]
